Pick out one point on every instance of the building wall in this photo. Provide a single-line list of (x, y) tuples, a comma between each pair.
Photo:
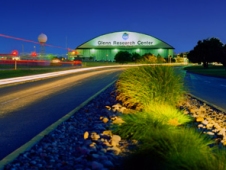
[(109, 54)]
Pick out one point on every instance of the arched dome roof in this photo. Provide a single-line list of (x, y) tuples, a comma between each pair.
[(125, 39)]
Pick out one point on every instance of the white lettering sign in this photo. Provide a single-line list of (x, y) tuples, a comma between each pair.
[(124, 43)]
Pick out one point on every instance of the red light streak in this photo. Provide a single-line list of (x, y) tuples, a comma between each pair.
[(35, 42)]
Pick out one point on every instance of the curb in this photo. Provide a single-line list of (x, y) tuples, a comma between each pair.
[(12, 156), (210, 104)]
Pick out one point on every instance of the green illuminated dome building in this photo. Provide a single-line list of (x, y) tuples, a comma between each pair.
[(105, 47)]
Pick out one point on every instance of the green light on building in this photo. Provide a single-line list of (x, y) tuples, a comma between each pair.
[(106, 46)]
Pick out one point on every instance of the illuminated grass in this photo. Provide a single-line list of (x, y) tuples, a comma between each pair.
[(138, 125), (180, 148), (167, 114), (140, 86), (156, 116)]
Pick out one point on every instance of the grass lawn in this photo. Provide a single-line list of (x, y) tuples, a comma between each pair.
[(213, 70), (93, 64)]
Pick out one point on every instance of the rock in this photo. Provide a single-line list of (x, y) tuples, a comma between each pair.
[(94, 136), (96, 165), (118, 120), (199, 119), (107, 132), (105, 120), (115, 150), (108, 107), (205, 122), (222, 132), (209, 126), (106, 143), (95, 156), (86, 135), (200, 126), (115, 139), (210, 133), (92, 145), (83, 150), (192, 110), (202, 110), (108, 164), (116, 107)]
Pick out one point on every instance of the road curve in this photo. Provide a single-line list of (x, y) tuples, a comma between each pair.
[(210, 89), (27, 109)]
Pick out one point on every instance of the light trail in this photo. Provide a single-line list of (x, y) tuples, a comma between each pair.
[(31, 41), (45, 75), (58, 73), (54, 74)]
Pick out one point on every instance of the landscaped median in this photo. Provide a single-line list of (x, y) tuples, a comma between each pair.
[(172, 130)]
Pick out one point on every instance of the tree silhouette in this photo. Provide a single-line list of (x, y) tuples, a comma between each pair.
[(206, 51), (123, 57)]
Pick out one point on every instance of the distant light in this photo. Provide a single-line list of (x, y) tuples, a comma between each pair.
[(74, 52), (116, 50), (15, 53), (160, 50), (33, 54), (137, 50)]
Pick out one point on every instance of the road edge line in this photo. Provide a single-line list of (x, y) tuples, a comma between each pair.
[(28, 145)]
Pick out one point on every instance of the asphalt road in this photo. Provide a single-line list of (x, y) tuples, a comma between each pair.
[(27, 109), (210, 89)]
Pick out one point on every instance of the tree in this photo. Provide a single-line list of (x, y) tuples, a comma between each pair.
[(223, 57), (123, 57), (208, 50), (135, 56)]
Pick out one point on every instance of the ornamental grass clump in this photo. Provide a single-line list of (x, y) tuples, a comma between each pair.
[(144, 85), (181, 148), (152, 117), (168, 114), (218, 162), (139, 125)]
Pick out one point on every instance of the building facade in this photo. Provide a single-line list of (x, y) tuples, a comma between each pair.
[(105, 47)]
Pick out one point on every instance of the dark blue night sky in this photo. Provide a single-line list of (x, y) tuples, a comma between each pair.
[(69, 23)]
